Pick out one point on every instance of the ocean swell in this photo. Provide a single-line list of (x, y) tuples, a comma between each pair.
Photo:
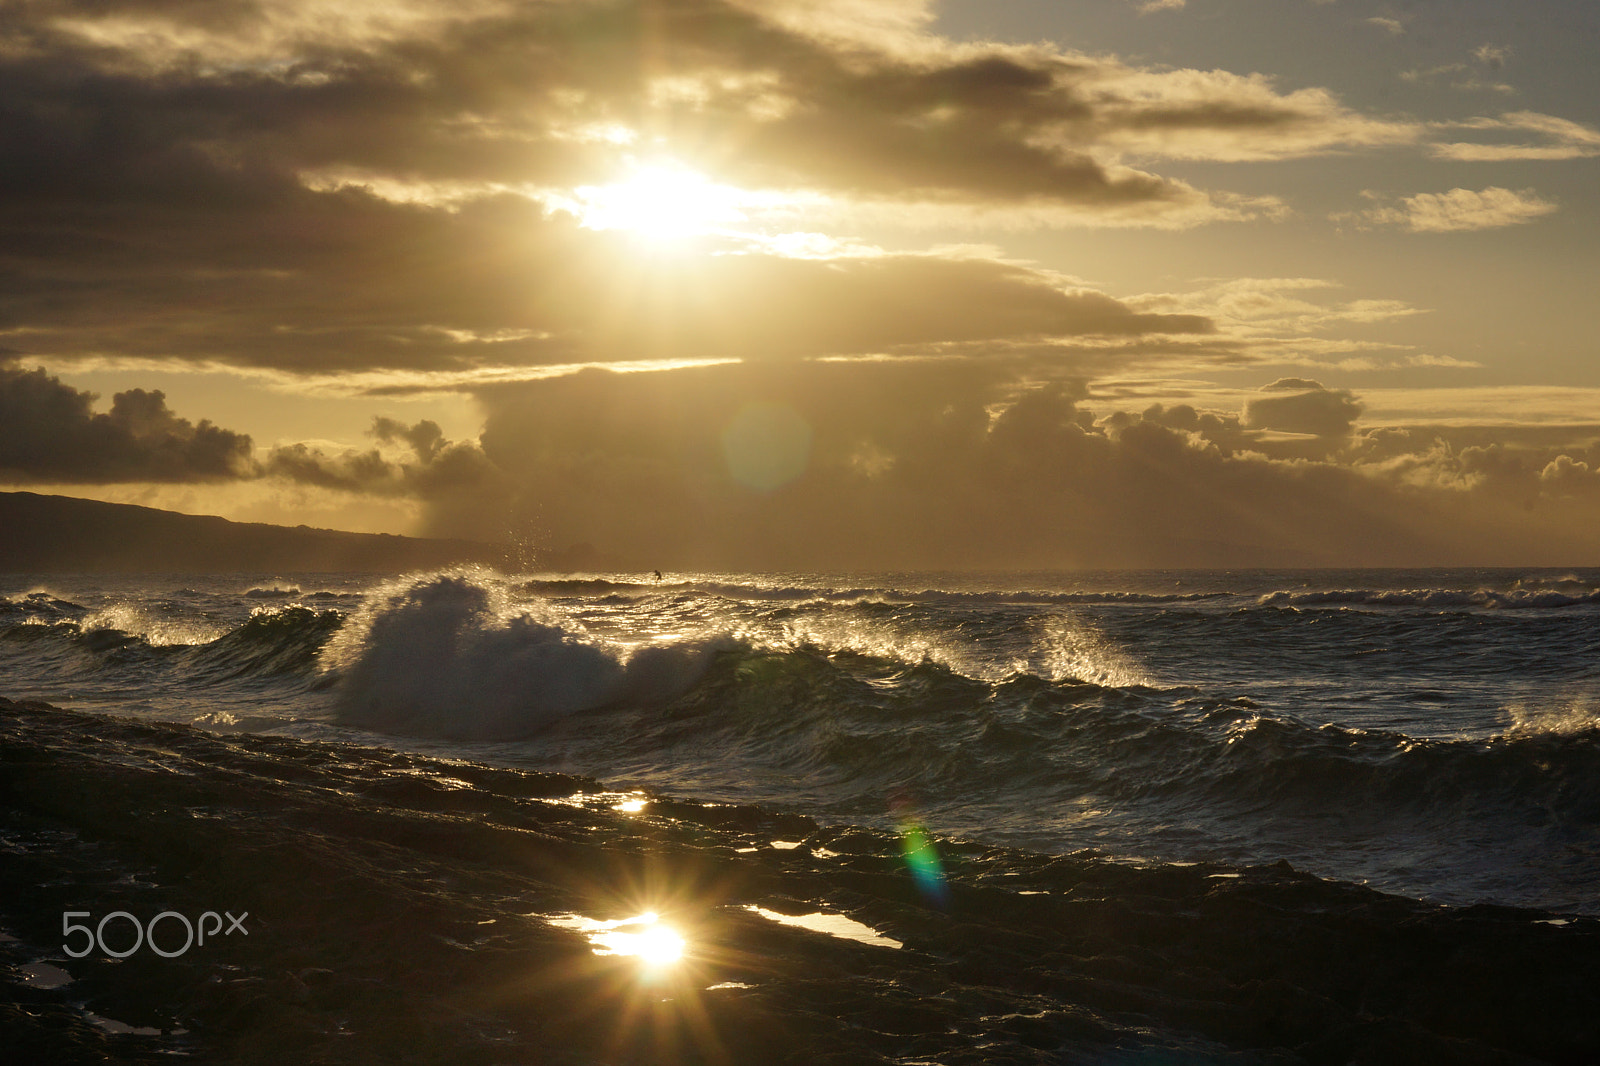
[(1518, 598)]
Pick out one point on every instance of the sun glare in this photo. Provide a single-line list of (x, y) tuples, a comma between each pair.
[(649, 939), (662, 202)]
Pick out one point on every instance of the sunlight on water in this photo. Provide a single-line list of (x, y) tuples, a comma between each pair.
[(1559, 715), (136, 620), (832, 924), (654, 942), (44, 975)]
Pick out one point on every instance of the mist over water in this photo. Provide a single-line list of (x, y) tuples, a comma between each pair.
[(1434, 733)]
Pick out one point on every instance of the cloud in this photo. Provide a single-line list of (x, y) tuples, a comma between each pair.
[(500, 285), (1392, 26), (1284, 321), (1462, 209), (1218, 115), (906, 466), (320, 187), (1493, 56), (367, 193), (888, 464), (1458, 76), (463, 490), (1506, 408), (50, 436), (488, 94), (1567, 476), (49, 432), (937, 465), (1300, 405), (1564, 139)]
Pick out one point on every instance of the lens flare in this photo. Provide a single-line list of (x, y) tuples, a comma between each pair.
[(766, 446), (921, 857)]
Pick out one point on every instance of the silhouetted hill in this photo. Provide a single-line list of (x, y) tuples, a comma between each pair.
[(61, 533)]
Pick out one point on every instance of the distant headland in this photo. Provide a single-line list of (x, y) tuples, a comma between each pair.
[(55, 534)]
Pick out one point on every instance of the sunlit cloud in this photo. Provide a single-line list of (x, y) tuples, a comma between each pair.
[(1459, 76), (1492, 55), (1460, 209), (1218, 115), (1262, 308), (1186, 208), (1498, 405), (899, 24), (1564, 139)]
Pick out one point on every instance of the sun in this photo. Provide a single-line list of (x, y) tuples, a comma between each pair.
[(662, 202)]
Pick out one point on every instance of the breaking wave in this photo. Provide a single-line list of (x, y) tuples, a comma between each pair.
[(450, 656)]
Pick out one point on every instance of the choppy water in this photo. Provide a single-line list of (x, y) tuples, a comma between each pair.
[(1433, 733)]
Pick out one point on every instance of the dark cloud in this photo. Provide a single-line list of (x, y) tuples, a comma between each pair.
[(467, 494), (350, 282), (49, 432), (1314, 410), (911, 466), (891, 464), (425, 438)]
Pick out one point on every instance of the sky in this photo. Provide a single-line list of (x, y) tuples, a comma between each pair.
[(816, 284)]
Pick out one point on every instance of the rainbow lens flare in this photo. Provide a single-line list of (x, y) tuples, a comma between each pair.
[(922, 859)]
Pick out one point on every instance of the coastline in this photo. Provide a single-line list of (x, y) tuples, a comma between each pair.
[(400, 908)]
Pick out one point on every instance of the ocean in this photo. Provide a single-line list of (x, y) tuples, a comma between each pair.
[(1428, 736)]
